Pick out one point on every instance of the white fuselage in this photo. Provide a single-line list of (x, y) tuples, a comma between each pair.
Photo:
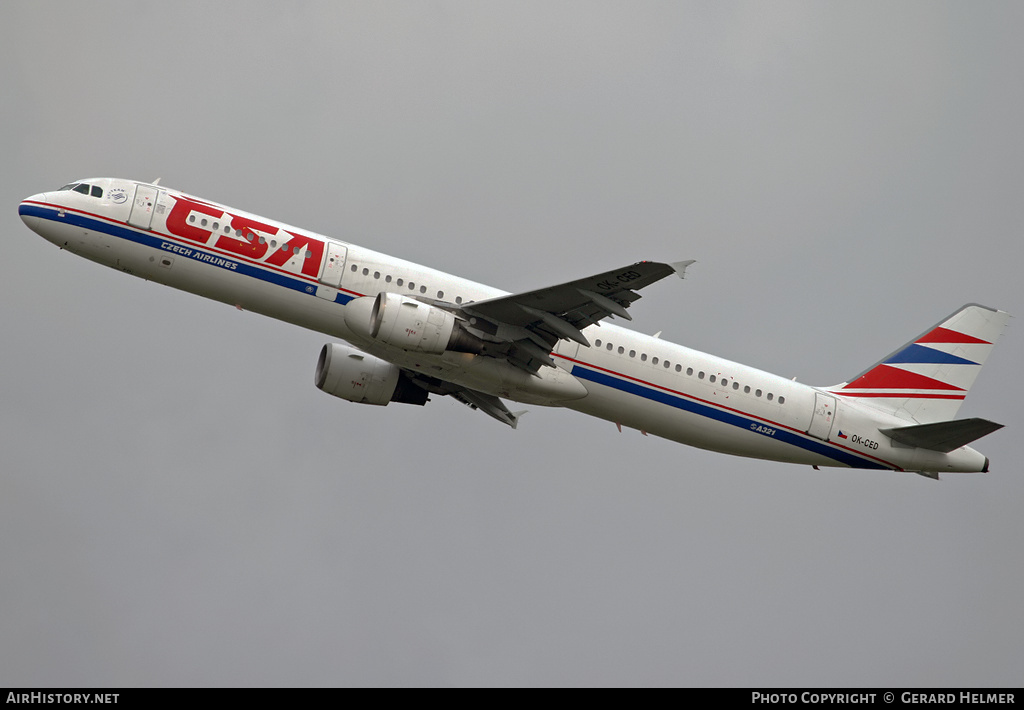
[(631, 379)]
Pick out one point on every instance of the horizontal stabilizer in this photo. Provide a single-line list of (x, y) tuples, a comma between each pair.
[(942, 436)]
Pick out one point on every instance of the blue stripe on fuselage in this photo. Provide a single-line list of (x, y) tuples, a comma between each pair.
[(731, 418), (155, 240)]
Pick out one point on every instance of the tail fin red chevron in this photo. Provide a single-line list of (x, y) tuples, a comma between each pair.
[(928, 378)]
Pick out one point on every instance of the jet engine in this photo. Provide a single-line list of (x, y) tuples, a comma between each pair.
[(351, 374), (403, 322)]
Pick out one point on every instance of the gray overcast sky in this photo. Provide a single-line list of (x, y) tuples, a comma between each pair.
[(181, 506)]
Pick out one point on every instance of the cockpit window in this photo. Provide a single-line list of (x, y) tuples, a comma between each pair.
[(84, 188)]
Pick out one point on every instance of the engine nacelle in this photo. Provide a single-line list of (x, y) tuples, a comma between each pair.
[(351, 374), (403, 322)]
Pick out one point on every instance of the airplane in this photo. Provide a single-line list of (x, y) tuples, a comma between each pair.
[(410, 331)]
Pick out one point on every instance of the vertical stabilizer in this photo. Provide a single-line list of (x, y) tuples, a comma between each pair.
[(928, 378)]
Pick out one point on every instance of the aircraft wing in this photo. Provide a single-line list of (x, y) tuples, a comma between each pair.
[(529, 324)]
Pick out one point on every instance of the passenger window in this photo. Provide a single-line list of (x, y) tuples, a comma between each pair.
[(746, 389), (770, 395), (782, 400), (366, 272), (689, 371), (387, 279), (440, 294), (711, 379), (423, 289), (609, 346), (632, 353), (621, 350), (700, 375), (376, 274), (458, 299), (597, 342), (643, 357), (654, 361), (735, 385), (354, 267), (399, 282), (757, 393)]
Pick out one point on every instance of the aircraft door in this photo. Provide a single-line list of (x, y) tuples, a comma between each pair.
[(823, 416), (142, 207), (334, 268)]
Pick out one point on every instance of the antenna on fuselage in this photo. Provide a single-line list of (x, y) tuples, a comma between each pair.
[(156, 182)]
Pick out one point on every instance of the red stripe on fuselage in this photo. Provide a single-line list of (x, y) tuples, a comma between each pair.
[(191, 244), (898, 395), (728, 409)]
